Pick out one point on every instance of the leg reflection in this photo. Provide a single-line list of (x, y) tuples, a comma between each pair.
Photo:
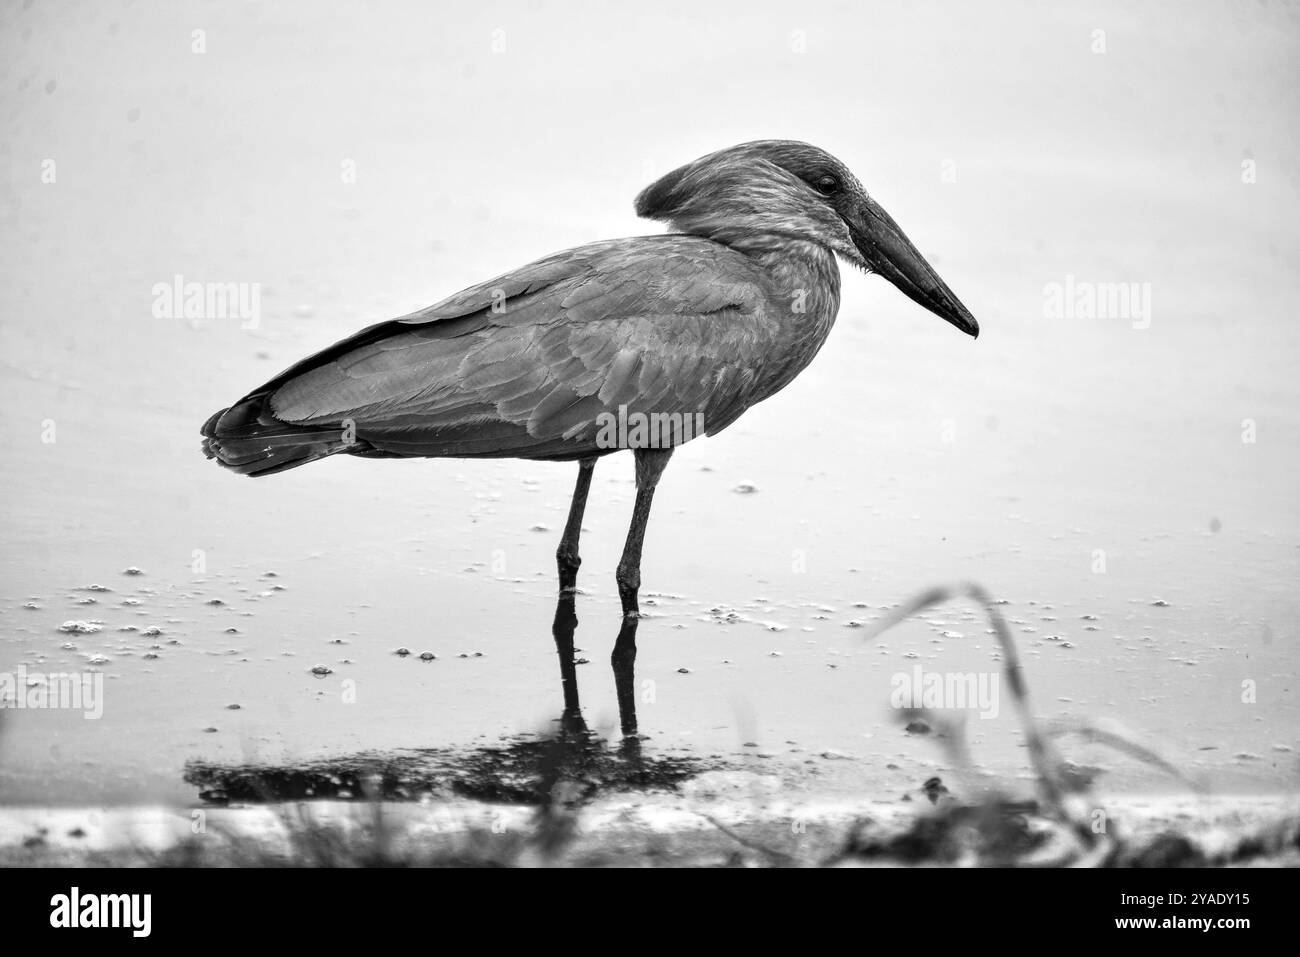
[(566, 622), (623, 660)]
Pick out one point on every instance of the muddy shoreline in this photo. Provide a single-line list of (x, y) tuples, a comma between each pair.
[(710, 828)]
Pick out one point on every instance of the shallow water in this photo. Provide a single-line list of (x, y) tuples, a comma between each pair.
[(1091, 473)]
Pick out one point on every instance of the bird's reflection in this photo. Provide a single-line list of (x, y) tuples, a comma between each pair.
[(567, 765), (623, 660)]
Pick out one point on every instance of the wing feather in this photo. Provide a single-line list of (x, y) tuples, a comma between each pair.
[(525, 364)]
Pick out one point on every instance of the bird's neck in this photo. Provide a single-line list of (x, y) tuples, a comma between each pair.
[(801, 271), (804, 288), (792, 261)]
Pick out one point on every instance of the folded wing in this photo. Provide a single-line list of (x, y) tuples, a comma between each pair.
[(524, 365)]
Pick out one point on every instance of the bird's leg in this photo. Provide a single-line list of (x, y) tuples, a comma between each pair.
[(650, 465), (566, 617), (566, 556)]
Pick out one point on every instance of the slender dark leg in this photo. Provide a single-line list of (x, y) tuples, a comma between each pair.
[(650, 465), (566, 617), (566, 556)]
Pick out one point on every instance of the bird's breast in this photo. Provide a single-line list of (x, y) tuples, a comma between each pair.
[(803, 300)]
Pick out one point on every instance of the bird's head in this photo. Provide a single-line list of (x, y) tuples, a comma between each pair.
[(790, 190)]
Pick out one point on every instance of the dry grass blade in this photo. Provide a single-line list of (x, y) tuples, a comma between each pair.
[(1041, 753), (771, 855), (1121, 740)]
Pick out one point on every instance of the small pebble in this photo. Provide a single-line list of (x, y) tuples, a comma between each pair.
[(934, 789)]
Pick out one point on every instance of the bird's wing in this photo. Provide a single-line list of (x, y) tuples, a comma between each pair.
[(526, 363)]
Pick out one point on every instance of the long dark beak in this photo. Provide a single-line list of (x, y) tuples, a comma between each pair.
[(890, 253)]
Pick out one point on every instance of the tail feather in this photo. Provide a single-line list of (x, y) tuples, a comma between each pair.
[(247, 438)]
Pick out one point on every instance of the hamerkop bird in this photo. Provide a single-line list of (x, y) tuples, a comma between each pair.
[(694, 326)]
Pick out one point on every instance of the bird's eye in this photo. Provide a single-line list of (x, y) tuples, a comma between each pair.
[(826, 184)]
